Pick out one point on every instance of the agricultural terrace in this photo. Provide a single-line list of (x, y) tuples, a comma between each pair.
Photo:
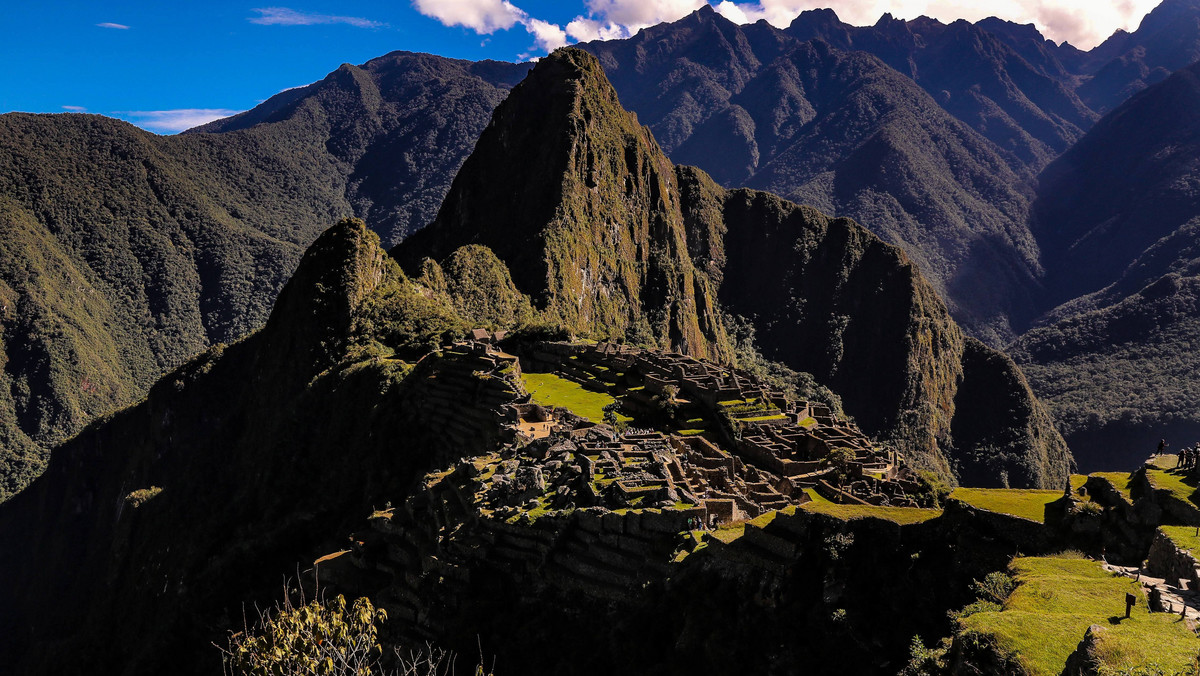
[(900, 515), (1184, 537), (1020, 502), (552, 391), (1057, 599)]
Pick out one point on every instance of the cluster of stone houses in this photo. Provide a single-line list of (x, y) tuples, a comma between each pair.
[(769, 463)]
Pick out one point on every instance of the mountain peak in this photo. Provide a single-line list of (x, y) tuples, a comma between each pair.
[(567, 189)]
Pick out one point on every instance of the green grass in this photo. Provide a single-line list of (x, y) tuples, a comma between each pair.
[(1059, 598), (900, 515), (551, 390), (1184, 537), (1025, 503), (1119, 480), (1175, 483), (761, 418), (1166, 461)]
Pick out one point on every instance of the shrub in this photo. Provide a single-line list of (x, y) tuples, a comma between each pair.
[(995, 587), (329, 638), (142, 496), (324, 639), (925, 661), (932, 490)]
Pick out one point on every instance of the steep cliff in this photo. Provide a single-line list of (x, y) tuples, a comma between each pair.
[(580, 203)]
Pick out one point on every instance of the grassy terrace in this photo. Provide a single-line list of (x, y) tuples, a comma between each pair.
[(1025, 503), (1059, 598), (1119, 480), (1184, 537), (551, 390), (1167, 479), (900, 515)]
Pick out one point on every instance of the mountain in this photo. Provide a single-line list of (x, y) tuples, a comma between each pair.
[(1027, 108), (1167, 39), (612, 241), (1116, 219), (759, 107), (928, 134), (126, 253), (233, 461), (274, 449)]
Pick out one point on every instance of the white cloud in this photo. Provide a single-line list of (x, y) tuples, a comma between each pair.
[(637, 14), (488, 16), (547, 35), (75, 109), (173, 121), (118, 26), (1083, 23), (614, 19), (481, 16), (584, 30), (283, 16)]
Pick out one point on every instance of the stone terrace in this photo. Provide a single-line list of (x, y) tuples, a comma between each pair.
[(760, 454)]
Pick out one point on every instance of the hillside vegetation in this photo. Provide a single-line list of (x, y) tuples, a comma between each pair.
[(125, 253)]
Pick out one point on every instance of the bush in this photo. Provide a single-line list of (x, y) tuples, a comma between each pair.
[(324, 639), (932, 491), (329, 638), (925, 661), (995, 587)]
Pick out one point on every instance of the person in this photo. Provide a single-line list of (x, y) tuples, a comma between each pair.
[(1162, 446)]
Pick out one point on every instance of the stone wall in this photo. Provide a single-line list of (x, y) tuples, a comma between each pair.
[(1171, 562)]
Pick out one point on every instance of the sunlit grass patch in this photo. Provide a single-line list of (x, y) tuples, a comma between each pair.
[(1025, 503)]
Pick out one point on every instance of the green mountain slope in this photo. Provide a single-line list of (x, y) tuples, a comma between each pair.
[(233, 461), (1117, 222), (126, 253)]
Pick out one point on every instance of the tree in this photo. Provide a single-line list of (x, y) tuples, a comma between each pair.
[(610, 414), (840, 459)]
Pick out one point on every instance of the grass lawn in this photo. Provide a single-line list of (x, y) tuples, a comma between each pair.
[(1059, 598), (551, 390), (1119, 480), (900, 515), (1168, 480), (1184, 537), (1025, 503), (1164, 461)]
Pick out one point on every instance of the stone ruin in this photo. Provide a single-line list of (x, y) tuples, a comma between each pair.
[(774, 452)]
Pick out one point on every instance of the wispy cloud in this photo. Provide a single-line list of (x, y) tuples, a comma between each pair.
[(283, 16), (75, 109), (174, 121), (109, 24)]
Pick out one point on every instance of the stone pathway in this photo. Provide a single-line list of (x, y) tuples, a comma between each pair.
[(1174, 598)]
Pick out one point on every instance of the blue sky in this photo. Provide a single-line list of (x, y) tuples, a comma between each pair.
[(169, 65)]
